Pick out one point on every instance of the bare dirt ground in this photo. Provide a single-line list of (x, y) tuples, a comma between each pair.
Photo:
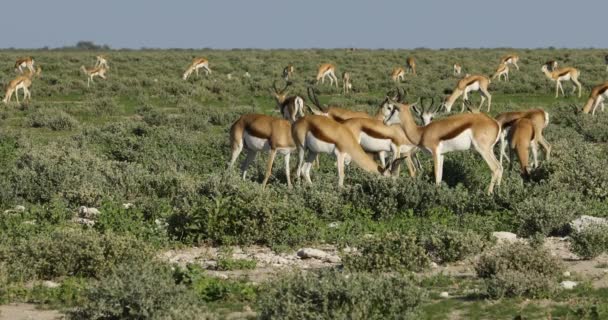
[(26, 311)]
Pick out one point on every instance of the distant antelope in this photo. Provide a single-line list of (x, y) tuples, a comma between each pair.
[(327, 70), (22, 82), (102, 61), (411, 65), (457, 69), (510, 59), (25, 62), (93, 72), (599, 93), (466, 85), (288, 72), (346, 84), (563, 74), (502, 70), (551, 65), (196, 64), (398, 74)]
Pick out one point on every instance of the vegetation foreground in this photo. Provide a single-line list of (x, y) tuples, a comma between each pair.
[(149, 150)]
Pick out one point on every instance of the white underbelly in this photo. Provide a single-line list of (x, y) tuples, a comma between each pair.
[(565, 78), (371, 144), (255, 143), (458, 143), (473, 87), (319, 146)]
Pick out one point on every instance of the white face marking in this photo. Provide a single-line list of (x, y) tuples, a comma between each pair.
[(255, 143), (459, 143), (319, 146)]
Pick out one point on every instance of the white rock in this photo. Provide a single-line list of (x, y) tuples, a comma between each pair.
[(84, 221), (568, 285), (88, 213), (502, 236), (50, 284), (333, 224), (434, 265), (19, 208), (566, 273), (128, 205), (584, 222), (444, 295), (311, 253)]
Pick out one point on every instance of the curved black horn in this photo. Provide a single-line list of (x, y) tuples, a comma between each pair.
[(274, 86)]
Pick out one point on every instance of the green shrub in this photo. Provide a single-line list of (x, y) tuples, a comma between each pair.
[(389, 252), (590, 242), (53, 119), (235, 264), (447, 245), (546, 214), (333, 295), (519, 270)]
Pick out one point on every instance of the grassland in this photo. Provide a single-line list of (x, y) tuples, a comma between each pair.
[(145, 136)]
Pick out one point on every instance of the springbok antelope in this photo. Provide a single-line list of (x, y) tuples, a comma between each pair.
[(521, 138), (510, 59), (502, 70), (196, 64), (410, 63), (469, 83), (346, 84), (290, 107), (457, 69), (327, 70), (454, 133), (288, 72), (563, 74), (22, 82), (257, 132), (335, 113), (539, 119), (102, 61), (319, 134), (25, 62), (92, 73), (551, 65), (398, 74), (597, 97)]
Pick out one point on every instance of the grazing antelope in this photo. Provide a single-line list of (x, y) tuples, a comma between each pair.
[(22, 82), (510, 59), (539, 119), (288, 72), (521, 138), (551, 65), (196, 64), (454, 133), (470, 83), (563, 74), (457, 69), (335, 113), (410, 62), (102, 61), (25, 62), (290, 107), (257, 132), (346, 84), (502, 70), (597, 97), (398, 74), (92, 73), (319, 134), (327, 70)]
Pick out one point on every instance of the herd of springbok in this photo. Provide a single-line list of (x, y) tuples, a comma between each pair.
[(354, 135)]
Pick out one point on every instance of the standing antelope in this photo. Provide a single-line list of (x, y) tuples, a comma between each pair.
[(502, 70), (290, 107), (597, 97), (454, 133), (346, 84), (563, 74), (457, 69), (92, 73), (25, 62), (335, 113), (327, 70), (196, 64), (288, 72), (551, 65), (411, 65), (470, 83), (398, 74), (102, 61), (539, 119), (521, 138), (22, 82), (510, 59)]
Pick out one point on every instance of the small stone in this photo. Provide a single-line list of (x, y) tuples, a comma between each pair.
[(311, 253), (434, 265), (505, 236), (50, 284), (568, 285), (19, 208), (333, 224), (88, 213), (584, 222), (444, 295), (128, 205), (30, 222), (566, 273), (84, 221)]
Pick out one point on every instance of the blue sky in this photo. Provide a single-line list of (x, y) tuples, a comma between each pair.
[(305, 24)]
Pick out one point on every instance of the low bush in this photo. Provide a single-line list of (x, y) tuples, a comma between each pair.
[(590, 242), (519, 270), (331, 294), (52, 119)]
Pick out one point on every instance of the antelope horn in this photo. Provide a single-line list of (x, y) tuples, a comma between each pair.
[(274, 86)]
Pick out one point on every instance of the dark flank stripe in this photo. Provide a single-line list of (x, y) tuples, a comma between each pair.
[(455, 131)]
